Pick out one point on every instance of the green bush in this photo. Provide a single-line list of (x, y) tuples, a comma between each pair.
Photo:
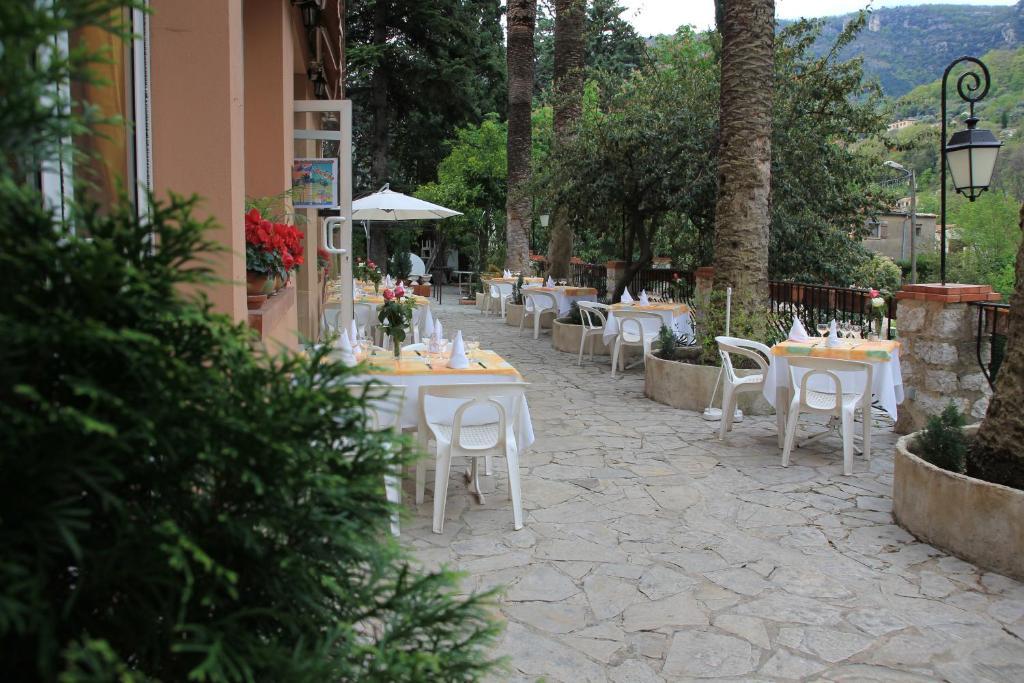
[(174, 505), (942, 443), (666, 343), (927, 268), (879, 272)]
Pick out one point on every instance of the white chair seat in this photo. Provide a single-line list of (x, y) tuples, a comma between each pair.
[(634, 333), (824, 400), (734, 384), (633, 337), (750, 379), (474, 437)]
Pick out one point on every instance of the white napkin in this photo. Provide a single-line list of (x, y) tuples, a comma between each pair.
[(507, 273), (833, 336), (626, 296), (550, 282), (344, 345), (797, 332), (644, 301), (353, 331), (458, 360), (438, 330), (428, 323)]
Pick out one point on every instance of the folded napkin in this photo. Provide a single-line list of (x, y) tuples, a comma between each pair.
[(833, 336), (550, 282), (353, 331), (644, 301), (344, 345), (507, 273), (798, 332), (428, 323), (434, 345), (458, 360), (626, 298)]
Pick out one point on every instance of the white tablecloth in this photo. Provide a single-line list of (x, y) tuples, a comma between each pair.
[(565, 300), (440, 410), (680, 323), (886, 381)]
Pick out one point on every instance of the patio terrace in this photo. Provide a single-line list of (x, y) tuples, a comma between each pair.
[(654, 552)]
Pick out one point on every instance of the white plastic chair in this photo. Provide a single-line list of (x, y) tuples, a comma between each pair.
[(536, 304), (633, 332), (384, 404), (842, 401), (734, 384), (456, 439), (592, 315), (498, 297), (366, 319)]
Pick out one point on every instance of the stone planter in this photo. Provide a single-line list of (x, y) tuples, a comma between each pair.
[(480, 301), (975, 520), (566, 337), (514, 314), (688, 386)]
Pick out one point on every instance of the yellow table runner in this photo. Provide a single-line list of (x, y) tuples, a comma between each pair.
[(677, 309), (481, 362), (567, 291), (851, 349), (513, 280), (335, 300)]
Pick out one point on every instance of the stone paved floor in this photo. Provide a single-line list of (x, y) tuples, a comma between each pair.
[(653, 552)]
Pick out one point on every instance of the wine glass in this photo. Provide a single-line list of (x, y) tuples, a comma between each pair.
[(472, 344), (854, 331), (823, 329)]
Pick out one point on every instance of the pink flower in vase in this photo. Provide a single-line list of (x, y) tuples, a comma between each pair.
[(389, 295)]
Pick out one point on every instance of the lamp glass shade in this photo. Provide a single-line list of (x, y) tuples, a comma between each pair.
[(544, 220), (971, 157)]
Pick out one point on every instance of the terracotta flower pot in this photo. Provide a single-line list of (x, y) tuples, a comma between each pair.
[(255, 283), (278, 283)]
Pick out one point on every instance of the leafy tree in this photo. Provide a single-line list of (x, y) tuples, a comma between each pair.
[(989, 235), (416, 71), (998, 456), (175, 505)]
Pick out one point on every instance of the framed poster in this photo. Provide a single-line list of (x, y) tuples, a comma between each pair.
[(315, 183)]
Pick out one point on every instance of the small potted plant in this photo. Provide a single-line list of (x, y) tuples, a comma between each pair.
[(395, 316), (272, 251), (323, 263), (367, 271)]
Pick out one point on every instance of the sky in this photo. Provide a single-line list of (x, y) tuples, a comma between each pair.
[(664, 16)]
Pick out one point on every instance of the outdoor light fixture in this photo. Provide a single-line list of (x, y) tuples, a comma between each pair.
[(544, 220), (970, 154), (315, 73), (310, 10)]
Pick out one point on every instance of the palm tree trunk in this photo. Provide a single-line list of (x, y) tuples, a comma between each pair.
[(568, 103), (379, 140), (522, 19), (742, 212), (999, 456)]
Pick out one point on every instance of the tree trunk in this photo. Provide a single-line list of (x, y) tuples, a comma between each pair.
[(379, 139), (1000, 457), (568, 103), (639, 231), (522, 19), (742, 212)]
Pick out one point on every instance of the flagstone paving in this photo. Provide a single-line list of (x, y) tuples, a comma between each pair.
[(654, 552)]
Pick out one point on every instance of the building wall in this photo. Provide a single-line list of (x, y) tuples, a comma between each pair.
[(894, 228)]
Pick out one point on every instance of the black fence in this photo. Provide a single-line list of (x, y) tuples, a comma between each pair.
[(663, 283), (815, 304), (590, 275), (993, 325)]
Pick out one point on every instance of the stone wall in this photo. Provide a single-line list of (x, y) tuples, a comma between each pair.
[(938, 352)]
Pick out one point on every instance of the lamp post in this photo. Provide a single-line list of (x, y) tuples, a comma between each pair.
[(971, 153), (912, 178)]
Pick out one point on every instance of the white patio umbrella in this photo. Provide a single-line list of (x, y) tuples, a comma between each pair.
[(390, 206)]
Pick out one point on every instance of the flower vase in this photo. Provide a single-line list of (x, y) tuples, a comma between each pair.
[(878, 328), (376, 288), (255, 283), (396, 348)]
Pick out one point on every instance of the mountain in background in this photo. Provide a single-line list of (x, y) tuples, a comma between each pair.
[(904, 47)]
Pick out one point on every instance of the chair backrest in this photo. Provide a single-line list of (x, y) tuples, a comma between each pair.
[(365, 316), (486, 394), (832, 370), (420, 346), (384, 403), (755, 351), (634, 321), (591, 312), (539, 301), (331, 316)]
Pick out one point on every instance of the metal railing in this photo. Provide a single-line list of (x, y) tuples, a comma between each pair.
[(590, 275), (663, 283), (815, 304), (993, 324)]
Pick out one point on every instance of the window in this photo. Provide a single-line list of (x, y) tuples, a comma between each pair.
[(917, 228), (874, 230), (116, 154)]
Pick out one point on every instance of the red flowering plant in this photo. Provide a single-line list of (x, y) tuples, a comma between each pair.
[(367, 271), (395, 316), (323, 260), (272, 249)]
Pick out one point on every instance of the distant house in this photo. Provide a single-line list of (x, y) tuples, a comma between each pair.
[(901, 124), (889, 233)]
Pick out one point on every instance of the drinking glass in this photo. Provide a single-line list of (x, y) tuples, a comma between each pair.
[(854, 331), (823, 329)]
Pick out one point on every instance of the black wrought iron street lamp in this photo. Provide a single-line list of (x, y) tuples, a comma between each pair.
[(970, 154), (310, 10)]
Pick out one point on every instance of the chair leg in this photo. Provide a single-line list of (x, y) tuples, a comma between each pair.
[(536, 324), (514, 490), (615, 355), (794, 416), (866, 433), (444, 465), (727, 412), (421, 480), (522, 319), (847, 423), (583, 342), (780, 422), (393, 491)]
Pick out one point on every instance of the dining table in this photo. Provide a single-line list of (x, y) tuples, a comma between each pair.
[(884, 356), (566, 295), (673, 315), (415, 369)]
